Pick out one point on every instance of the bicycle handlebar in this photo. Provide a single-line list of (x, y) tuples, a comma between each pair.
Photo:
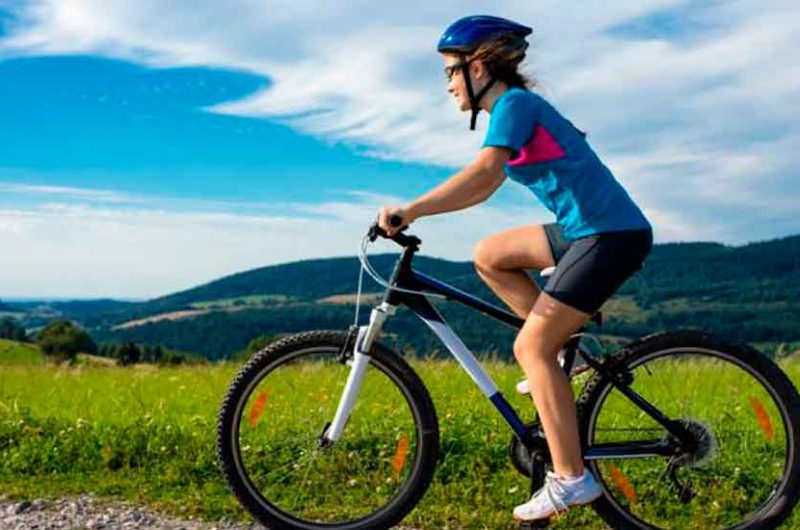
[(399, 238)]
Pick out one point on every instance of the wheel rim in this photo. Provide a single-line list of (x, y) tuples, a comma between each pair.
[(744, 437), (275, 448)]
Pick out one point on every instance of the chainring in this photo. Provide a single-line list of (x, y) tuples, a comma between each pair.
[(521, 457)]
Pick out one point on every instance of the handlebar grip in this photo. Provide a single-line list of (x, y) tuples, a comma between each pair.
[(395, 220)]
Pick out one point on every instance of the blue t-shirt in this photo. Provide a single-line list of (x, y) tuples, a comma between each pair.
[(552, 158)]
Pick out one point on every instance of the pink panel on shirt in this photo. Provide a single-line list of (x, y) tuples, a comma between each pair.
[(542, 148)]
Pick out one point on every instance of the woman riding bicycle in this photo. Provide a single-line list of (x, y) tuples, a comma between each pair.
[(600, 237)]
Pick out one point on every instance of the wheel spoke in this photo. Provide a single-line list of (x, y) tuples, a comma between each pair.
[(284, 398), (726, 473)]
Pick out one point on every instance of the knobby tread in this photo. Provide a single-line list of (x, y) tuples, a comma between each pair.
[(419, 477)]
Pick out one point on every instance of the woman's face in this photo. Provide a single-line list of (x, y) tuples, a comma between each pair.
[(455, 84)]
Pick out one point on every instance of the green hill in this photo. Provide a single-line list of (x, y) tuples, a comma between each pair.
[(749, 293), (306, 280), (12, 352)]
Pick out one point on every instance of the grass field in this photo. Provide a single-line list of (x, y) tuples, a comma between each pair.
[(15, 353), (146, 434)]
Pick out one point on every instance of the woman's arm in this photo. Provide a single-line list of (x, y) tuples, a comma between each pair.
[(472, 185)]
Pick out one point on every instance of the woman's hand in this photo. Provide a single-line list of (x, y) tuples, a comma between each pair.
[(387, 212)]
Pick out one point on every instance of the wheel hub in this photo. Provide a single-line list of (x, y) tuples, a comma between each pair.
[(701, 450)]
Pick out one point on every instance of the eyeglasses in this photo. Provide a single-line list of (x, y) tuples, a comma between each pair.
[(451, 69)]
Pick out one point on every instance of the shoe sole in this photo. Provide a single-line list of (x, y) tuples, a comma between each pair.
[(556, 514)]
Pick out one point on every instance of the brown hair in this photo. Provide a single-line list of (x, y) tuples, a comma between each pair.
[(502, 56)]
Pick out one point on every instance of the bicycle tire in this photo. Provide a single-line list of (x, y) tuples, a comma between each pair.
[(776, 384), (381, 358)]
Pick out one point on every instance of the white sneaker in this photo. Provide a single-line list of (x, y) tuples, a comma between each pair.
[(557, 496), (523, 387)]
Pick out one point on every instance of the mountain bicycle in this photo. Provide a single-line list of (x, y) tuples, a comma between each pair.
[(332, 430)]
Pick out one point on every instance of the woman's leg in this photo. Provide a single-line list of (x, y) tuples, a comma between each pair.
[(548, 326), (501, 258)]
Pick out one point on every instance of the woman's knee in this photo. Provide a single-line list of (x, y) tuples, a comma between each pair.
[(485, 255), (524, 247), (531, 348)]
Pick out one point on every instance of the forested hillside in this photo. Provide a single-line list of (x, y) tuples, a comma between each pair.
[(747, 293)]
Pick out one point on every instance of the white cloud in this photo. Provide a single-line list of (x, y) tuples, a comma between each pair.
[(703, 132), (367, 75), (73, 245), (65, 191), (85, 249)]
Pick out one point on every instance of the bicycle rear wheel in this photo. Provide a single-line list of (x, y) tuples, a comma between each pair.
[(279, 405), (742, 469)]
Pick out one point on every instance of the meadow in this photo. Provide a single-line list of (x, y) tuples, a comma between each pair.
[(146, 435)]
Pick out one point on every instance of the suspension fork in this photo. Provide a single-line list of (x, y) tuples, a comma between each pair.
[(358, 366)]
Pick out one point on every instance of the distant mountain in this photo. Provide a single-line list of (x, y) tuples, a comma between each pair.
[(749, 293), (300, 280), (93, 313)]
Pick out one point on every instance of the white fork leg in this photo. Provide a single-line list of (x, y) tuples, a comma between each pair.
[(366, 334), (360, 363)]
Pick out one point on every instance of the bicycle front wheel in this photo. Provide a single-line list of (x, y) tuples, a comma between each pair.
[(278, 407), (741, 468)]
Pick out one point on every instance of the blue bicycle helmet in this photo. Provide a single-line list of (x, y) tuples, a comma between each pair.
[(465, 35)]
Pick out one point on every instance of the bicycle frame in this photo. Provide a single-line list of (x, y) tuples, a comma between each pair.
[(406, 278)]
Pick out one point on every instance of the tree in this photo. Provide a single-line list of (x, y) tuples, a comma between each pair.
[(257, 344), (173, 357), (11, 329), (61, 340), (158, 353), (129, 353), (106, 350)]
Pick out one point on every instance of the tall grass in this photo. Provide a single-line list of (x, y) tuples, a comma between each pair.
[(147, 435)]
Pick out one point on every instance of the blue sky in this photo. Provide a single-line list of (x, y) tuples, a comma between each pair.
[(139, 130), (146, 147)]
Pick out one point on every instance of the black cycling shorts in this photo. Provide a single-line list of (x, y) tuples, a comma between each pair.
[(589, 270)]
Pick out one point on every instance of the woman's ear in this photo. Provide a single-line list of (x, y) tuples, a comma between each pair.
[(478, 70)]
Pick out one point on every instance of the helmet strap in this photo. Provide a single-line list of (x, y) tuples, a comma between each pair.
[(474, 100)]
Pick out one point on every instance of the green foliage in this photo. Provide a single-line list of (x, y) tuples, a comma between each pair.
[(61, 340), (749, 293), (174, 357), (11, 329), (219, 335), (128, 353), (153, 354), (257, 344)]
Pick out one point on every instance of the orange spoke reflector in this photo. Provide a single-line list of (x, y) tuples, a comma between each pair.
[(623, 484), (400, 454), (763, 418), (258, 408)]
